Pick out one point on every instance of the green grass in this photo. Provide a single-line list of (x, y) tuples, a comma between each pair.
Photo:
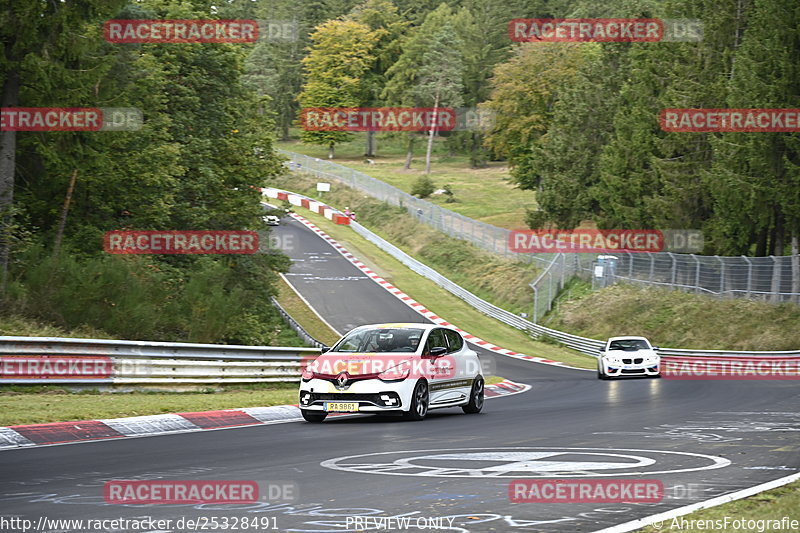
[(18, 326), (676, 319), (35, 405), (770, 505), (443, 303), (485, 194), (303, 314)]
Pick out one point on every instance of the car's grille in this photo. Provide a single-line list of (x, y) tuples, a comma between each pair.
[(636, 361), (333, 397), (631, 371)]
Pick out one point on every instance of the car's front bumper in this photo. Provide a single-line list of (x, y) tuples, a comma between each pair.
[(623, 370), (372, 395)]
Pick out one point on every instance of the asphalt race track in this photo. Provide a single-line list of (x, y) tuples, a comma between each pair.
[(700, 438)]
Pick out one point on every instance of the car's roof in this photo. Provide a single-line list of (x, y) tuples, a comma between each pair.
[(627, 338), (418, 325)]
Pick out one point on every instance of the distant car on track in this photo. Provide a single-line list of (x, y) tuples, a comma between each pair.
[(272, 220), (628, 357), (393, 368)]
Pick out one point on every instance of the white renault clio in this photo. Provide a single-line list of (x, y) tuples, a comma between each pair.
[(393, 368)]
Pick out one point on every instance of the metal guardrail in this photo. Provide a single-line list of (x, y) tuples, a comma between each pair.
[(576, 342), (304, 335), (144, 362)]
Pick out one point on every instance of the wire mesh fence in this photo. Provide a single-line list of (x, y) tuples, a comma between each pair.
[(773, 278)]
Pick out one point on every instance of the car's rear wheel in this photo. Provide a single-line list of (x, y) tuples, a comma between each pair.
[(419, 402), (313, 416), (476, 398)]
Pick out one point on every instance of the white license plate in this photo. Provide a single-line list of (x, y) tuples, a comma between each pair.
[(341, 407)]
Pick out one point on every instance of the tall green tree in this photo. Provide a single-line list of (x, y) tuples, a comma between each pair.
[(342, 52), (382, 17)]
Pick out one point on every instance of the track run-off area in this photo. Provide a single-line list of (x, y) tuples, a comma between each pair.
[(450, 472)]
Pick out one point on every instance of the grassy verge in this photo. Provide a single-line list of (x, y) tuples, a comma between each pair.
[(17, 326), (442, 302), (485, 194), (676, 319), (35, 405), (770, 505), (303, 314)]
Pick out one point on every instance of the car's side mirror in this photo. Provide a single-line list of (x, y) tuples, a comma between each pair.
[(437, 351)]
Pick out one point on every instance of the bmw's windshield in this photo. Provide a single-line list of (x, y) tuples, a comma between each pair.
[(629, 345), (380, 340)]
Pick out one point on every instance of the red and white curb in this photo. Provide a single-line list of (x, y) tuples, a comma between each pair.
[(505, 388), (55, 433), (418, 307)]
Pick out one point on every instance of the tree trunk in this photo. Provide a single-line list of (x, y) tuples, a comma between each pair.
[(795, 261), (761, 243), (409, 151), (432, 132), (371, 143), (777, 251), (65, 212), (8, 149), (330, 151)]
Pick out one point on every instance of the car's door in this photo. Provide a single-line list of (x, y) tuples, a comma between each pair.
[(439, 367), (467, 363), (446, 384)]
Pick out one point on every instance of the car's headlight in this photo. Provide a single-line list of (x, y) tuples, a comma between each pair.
[(396, 373)]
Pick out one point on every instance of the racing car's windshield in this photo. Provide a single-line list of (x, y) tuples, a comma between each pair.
[(629, 345), (381, 340)]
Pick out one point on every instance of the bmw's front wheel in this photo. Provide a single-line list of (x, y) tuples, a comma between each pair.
[(419, 402), (476, 397)]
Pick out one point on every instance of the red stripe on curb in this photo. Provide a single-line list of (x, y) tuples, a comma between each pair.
[(66, 431), (219, 419)]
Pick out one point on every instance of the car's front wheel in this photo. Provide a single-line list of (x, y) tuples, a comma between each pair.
[(313, 416), (475, 403), (600, 373), (419, 402)]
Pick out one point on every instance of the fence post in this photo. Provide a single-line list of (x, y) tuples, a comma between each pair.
[(749, 275), (696, 274), (535, 304), (721, 274), (630, 266), (674, 269), (652, 267)]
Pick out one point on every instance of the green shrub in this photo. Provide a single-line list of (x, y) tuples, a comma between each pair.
[(423, 187)]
